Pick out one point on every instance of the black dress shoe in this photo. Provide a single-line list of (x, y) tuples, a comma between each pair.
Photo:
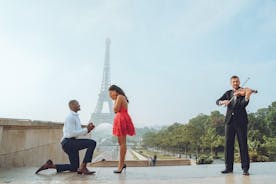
[(226, 171), (85, 171), (245, 172), (47, 165)]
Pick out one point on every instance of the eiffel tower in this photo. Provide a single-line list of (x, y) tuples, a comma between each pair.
[(98, 116)]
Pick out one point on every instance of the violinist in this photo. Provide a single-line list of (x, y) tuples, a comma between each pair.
[(236, 122)]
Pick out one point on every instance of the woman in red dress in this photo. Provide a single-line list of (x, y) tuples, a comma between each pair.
[(122, 125)]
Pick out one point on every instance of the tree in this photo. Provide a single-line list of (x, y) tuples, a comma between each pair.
[(216, 120), (207, 131), (211, 140), (271, 119), (196, 128), (270, 146)]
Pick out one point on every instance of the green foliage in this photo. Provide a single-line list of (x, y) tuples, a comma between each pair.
[(271, 119), (210, 139), (205, 134), (270, 146), (204, 159), (255, 157)]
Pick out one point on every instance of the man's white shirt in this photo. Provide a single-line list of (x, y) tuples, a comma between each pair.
[(72, 126)]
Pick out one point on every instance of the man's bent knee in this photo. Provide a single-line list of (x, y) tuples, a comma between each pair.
[(92, 143)]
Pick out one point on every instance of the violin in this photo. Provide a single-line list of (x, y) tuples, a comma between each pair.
[(243, 91)]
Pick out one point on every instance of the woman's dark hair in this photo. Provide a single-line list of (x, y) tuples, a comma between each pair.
[(118, 90)]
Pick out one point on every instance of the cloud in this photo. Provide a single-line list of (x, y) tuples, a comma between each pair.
[(201, 17), (20, 69), (22, 78), (53, 51), (267, 15), (108, 15)]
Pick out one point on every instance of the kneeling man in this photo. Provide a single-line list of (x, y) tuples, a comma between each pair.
[(71, 144)]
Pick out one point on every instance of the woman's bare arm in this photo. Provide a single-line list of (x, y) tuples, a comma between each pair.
[(118, 103)]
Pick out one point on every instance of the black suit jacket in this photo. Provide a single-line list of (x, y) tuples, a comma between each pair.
[(235, 112)]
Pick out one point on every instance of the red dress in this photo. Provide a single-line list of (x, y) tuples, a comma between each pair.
[(123, 125)]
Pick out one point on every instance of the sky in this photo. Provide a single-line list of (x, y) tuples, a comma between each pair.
[(173, 58)]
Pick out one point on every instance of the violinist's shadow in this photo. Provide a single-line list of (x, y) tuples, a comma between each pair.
[(237, 179), (229, 179)]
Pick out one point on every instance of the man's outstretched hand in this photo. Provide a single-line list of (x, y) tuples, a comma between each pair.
[(225, 102), (90, 127)]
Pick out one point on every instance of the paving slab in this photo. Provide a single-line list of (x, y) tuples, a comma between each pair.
[(261, 173)]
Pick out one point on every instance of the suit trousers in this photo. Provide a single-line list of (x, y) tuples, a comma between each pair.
[(71, 147), (231, 130)]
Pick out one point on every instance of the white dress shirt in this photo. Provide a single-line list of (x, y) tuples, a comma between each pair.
[(72, 126)]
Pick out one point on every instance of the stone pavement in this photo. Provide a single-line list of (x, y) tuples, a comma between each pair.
[(261, 173)]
